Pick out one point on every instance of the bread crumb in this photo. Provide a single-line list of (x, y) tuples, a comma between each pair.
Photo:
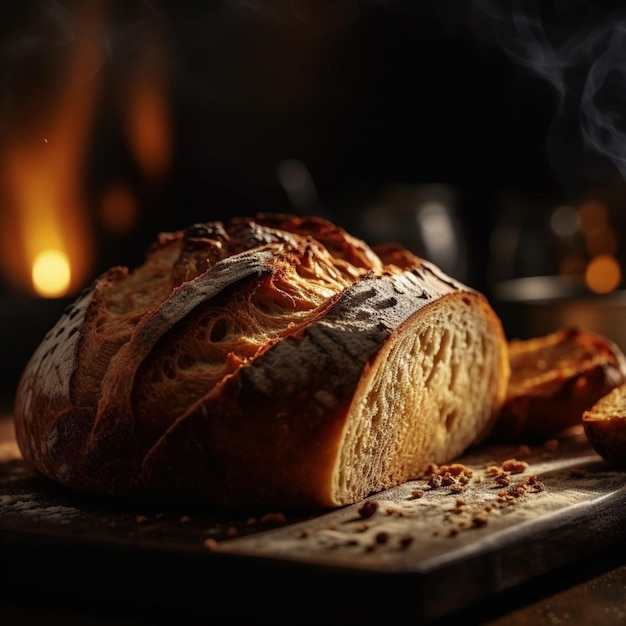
[(209, 543), (368, 508), (396, 512), (514, 466), (551, 446), (185, 519), (273, 518), (141, 519), (381, 537), (480, 519), (502, 480), (435, 481), (232, 531)]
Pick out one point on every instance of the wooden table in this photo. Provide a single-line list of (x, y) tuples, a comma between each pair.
[(429, 554)]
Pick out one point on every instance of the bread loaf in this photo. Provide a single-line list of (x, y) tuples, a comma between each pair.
[(605, 426), (270, 361), (554, 378)]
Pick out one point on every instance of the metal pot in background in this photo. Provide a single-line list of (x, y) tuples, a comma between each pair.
[(534, 306)]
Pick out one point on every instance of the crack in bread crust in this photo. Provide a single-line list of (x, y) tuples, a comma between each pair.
[(236, 364)]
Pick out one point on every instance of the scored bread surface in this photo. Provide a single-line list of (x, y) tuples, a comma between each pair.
[(274, 360)]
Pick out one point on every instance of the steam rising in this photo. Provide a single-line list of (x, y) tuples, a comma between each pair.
[(580, 50)]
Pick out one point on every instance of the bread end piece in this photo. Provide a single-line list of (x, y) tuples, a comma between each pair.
[(554, 378), (605, 427)]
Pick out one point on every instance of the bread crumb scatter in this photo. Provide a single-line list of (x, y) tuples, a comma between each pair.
[(185, 519), (514, 466), (502, 480), (532, 484), (455, 476), (141, 519), (396, 512), (473, 510), (458, 489), (435, 481), (368, 509)]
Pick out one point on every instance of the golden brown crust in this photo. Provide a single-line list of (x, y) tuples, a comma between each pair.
[(605, 426), (554, 378), (232, 367)]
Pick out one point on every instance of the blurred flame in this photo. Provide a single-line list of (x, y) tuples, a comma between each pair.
[(118, 209), (147, 110), (44, 222), (51, 273), (602, 273)]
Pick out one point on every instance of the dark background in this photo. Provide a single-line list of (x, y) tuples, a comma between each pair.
[(365, 94)]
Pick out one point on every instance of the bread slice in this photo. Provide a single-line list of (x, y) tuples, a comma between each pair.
[(605, 426), (554, 378), (273, 360)]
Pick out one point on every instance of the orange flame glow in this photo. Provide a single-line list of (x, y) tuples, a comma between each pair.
[(147, 111), (45, 238)]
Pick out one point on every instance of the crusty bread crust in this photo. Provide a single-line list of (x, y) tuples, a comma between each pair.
[(605, 426), (554, 378), (273, 360)]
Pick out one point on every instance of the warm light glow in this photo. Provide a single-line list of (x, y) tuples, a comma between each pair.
[(147, 110), (592, 215), (564, 221), (42, 164), (51, 273), (118, 210), (603, 274)]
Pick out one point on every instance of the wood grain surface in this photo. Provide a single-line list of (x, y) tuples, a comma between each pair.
[(499, 517)]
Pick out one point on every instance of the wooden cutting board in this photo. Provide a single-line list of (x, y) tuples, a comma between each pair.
[(503, 516)]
